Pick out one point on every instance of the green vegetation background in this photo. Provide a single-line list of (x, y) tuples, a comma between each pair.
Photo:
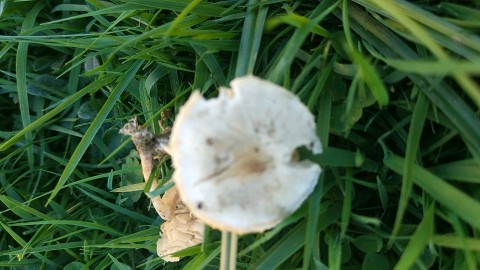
[(394, 86)]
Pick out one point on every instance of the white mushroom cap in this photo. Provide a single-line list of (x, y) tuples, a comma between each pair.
[(234, 156)]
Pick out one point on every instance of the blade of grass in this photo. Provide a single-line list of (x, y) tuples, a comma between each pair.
[(446, 194), (212, 64), (441, 25), (23, 243), (118, 209), (423, 36), (314, 201), (297, 21), (42, 249), (203, 9), (251, 37), (294, 240), (366, 71), (462, 234), (414, 134), (320, 85), (94, 127), (347, 204), (56, 110), (463, 170), (136, 236), (22, 210), (453, 241), (418, 241), (21, 74), (202, 260), (182, 15), (311, 234), (289, 53), (440, 94), (334, 250), (433, 67), (75, 223)]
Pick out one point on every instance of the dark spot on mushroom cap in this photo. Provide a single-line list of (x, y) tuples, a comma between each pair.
[(256, 149), (209, 141), (199, 205), (220, 158), (311, 144)]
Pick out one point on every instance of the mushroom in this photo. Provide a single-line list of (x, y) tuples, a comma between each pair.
[(235, 159), (180, 229), (149, 147)]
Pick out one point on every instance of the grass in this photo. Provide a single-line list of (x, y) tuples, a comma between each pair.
[(394, 86)]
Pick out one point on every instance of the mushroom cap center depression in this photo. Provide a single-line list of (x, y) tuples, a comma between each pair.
[(238, 163)]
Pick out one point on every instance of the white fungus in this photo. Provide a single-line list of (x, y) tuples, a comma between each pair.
[(149, 147), (235, 158), (180, 229)]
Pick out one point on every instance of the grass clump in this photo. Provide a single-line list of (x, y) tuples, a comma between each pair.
[(394, 86)]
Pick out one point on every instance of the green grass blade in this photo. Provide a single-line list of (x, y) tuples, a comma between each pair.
[(455, 242), (22, 243), (118, 209), (57, 110), (311, 235), (204, 9), (94, 127), (347, 204), (415, 132), (293, 46), (422, 35), (251, 37), (319, 88), (297, 21), (418, 241), (85, 224), (24, 211), (283, 249), (334, 250), (212, 64), (431, 67), (366, 71), (440, 94), (371, 77), (21, 74), (463, 170), (202, 260), (294, 240), (314, 203), (182, 15), (446, 194)]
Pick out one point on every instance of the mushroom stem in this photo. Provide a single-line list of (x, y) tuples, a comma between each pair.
[(145, 143), (147, 167), (228, 257)]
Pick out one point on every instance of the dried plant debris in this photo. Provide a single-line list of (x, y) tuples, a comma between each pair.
[(235, 155), (181, 229)]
